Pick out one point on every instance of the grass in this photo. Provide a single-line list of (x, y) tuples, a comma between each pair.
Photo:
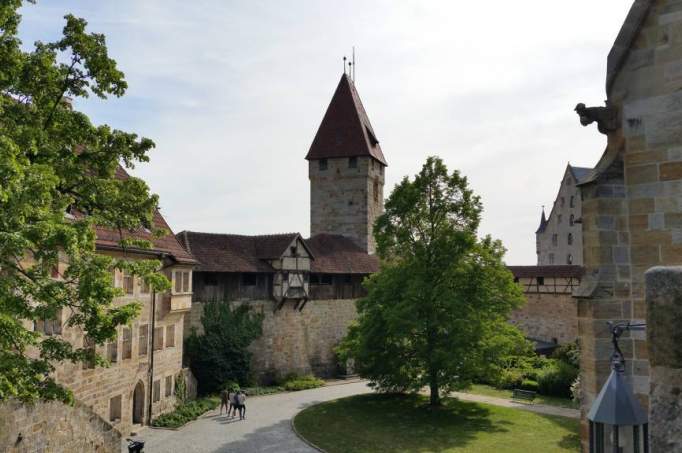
[(486, 390), (186, 412), (404, 423)]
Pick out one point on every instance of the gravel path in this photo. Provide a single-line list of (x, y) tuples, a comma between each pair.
[(267, 427), (268, 424)]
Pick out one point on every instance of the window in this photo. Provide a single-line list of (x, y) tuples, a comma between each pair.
[(144, 340), (558, 218), (170, 336), (555, 239), (249, 279), (89, 346), (352, 162), (322, 164), (181, 282), (569, 259), (115, 409), (112, 350), (326, 279), (128, 283), (169, 386), (563, 202), (516, 279), (127, 343), (52, 326), (314, 279), (381, 169), (373, 163), (541, 281), (347, 279), (158, 338), (144, 287), (570, 239), (572, 202), (156, 394), (571, 220), (551, 258), (376, 190)]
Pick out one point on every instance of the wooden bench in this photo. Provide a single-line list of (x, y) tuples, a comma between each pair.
[(527, 395)]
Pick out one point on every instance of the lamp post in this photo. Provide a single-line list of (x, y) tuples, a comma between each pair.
[(617, 421)]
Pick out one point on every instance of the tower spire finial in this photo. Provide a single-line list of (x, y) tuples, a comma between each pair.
[(344, 64)]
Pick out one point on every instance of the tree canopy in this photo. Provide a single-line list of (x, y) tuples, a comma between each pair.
[(55, 162), (435, 314)]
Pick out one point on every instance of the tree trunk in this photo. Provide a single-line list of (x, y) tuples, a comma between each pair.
[(433, 386)]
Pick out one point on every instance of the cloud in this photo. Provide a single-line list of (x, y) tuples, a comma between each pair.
[(232, 93)]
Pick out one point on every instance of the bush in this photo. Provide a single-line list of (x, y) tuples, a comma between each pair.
[(221, 354), (509, 379), (257, 390), (556, 379), (185, 413), (294, 383), (529, 384), (568, 353)]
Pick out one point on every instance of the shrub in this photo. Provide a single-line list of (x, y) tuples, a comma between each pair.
[(257, 390), (220, 354), (556, 379), (509, 379), (576, 393), (529, 384), (185, 413), (568, 353), (294, 383)]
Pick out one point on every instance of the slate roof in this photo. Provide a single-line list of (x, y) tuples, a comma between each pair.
[(332, 254), (543, 223), (580, 173), (107, 238), (345, 130), (561, 271), (336, 254)]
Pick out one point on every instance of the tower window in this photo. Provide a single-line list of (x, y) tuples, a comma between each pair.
[(569, 259), (570, 239), (563, 200), (571, 220), (376, 191), (572, 202), (352, 162), (558, 218), (322, 164)]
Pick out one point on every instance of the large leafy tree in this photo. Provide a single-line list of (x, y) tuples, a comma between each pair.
[(53, 160), (435, 314)]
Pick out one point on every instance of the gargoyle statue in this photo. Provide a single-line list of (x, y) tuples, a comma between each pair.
[(606, 117)]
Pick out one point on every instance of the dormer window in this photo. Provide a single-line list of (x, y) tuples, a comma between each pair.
[(322, 164), (294, 250), (352, 162)]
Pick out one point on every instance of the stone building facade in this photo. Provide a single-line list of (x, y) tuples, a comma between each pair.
[(146, 357), (631, 201), (558, 239)]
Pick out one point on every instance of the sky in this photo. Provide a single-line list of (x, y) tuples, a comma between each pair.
[(232, 93)]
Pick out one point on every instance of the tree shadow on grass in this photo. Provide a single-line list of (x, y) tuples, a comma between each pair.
[(570, 441), (392, 423)]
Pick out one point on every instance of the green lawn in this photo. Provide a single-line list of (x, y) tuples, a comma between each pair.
[(403, 423), (487, 390)]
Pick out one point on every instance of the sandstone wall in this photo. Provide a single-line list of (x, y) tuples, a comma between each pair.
[(52, 427), (547, 317), (294, 341)]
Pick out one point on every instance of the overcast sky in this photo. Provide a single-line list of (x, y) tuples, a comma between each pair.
[(233, 92)]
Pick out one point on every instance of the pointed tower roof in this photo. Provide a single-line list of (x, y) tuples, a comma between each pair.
[(543, 222), (345, 130)]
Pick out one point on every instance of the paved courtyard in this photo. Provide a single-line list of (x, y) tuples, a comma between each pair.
[(266, 429)]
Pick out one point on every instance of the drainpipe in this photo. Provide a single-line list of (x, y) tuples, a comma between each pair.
[(150, 370)]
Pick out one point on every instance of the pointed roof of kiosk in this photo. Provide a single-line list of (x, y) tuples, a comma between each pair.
[(345, 130)]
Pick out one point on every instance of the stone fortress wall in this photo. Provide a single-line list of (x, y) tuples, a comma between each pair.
[(552, 318)]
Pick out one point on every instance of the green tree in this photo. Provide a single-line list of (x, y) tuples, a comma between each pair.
[(54, 160), (221, 354), (435, 314)]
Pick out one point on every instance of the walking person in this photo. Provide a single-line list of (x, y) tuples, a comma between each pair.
[(225, 401), (241, 401), (234, 403)]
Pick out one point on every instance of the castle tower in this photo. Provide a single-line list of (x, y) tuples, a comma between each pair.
[(346, 170)]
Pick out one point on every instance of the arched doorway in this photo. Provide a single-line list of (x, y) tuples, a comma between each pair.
[(138, 403)]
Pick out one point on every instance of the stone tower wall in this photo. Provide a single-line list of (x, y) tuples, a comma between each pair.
[(346, 200), (632, 215)]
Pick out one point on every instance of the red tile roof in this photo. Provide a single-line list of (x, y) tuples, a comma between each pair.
[(233, 252), (562, 271), (336, 254), (332, 254), (345, 130), (168, 244)]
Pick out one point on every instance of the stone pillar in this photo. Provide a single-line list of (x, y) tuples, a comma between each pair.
[(664, 334)]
